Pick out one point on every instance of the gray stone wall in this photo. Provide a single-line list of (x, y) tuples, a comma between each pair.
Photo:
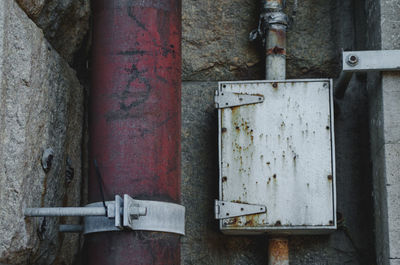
[(65, 23), (41, 107), (384, 97), (215, 47)]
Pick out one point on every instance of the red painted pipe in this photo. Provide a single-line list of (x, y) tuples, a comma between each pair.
[(134, 120)]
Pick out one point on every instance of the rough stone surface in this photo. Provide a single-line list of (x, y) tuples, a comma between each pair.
[(64, 22), (41, 106), (215, 43)]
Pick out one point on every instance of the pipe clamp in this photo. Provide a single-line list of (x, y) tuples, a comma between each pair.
[(120, 215)]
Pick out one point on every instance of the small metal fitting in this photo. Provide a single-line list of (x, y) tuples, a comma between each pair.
[(47, 159), (352, 60), (275, 18), (274, 4)]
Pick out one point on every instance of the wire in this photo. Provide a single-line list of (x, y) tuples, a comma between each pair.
[(100, 181)]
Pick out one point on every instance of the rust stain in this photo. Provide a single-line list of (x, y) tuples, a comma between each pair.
[(223, 130), (276, 50), (279, 35), (249, 222), (280, 2), (330, 177), (279, 250)]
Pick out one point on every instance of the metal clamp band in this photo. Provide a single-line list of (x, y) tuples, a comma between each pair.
[(160, 216), (121, 214)]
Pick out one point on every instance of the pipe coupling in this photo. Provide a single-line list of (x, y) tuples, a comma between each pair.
[(271, 18), (276, 5), (268, 20)]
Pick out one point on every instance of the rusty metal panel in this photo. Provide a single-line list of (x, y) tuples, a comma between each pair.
[(279, 153)]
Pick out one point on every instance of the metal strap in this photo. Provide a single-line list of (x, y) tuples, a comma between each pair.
[(160, 217)]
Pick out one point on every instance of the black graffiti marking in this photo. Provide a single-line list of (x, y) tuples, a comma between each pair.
[(131, 15), (135, 74), (132, 52)]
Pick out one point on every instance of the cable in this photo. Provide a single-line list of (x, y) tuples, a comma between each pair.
[(100, 181)]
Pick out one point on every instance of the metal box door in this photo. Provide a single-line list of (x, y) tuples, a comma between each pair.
[(279, 153)]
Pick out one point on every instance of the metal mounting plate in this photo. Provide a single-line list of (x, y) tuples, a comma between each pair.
[(363, 61), (232, 209), (226, 99)]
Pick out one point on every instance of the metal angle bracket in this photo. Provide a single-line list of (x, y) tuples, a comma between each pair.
[(364, 61), (225, 99), (224, 209)]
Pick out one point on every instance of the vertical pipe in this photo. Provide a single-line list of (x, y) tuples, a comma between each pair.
[(134, 124), (278, 249), (275, 25), (276, 52), (275, 44)]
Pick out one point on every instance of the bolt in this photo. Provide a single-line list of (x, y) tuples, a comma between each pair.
[(47, 159), (352, 60)]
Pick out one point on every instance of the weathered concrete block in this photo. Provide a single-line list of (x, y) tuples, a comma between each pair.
[(41, 106), (203, 242), (216, 46), (64, 22), (392, 157), (390, 101)]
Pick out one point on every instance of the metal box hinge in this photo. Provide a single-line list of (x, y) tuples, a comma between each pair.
[(121, 214), (224, 209), (225, 99)]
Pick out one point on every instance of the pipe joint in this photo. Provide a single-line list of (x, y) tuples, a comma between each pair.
[(269, 20), (275, 5)]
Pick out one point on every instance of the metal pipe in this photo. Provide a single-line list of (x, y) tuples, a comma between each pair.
[(134, 121), (278, 249), (65, 211), (275, 60), (275, 26)]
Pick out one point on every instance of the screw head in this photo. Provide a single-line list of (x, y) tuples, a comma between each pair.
[(352, 60)]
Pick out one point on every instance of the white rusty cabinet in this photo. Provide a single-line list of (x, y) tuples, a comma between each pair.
[(276, 149)]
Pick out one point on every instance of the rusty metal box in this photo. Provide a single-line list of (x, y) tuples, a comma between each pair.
[(276, 149)]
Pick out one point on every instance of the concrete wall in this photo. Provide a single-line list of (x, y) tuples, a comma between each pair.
[(215, 47), (384, 101)]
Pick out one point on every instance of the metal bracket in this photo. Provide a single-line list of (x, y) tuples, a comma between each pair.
[(224, 209), (121, 214), (224, 99), (363, 61)]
